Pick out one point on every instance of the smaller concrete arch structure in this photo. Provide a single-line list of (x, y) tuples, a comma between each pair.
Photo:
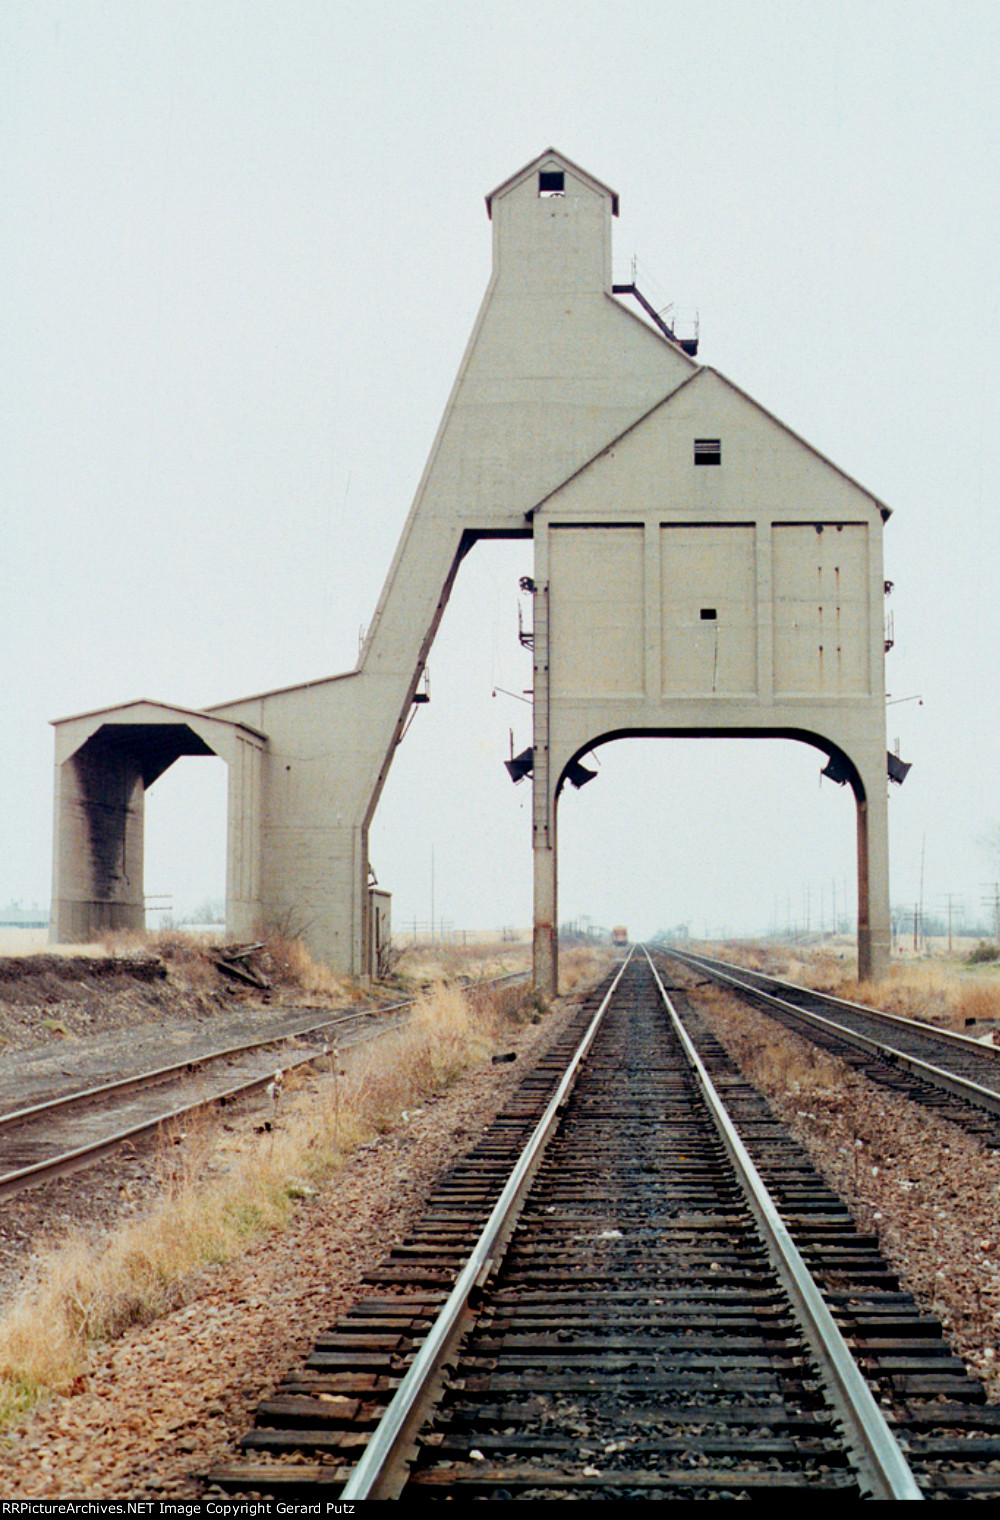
[(105, 763)]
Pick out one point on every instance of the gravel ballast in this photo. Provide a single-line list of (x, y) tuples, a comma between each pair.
[(929, 1190)]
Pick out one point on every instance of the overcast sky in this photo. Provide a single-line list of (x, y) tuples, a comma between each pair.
[(243, 245)]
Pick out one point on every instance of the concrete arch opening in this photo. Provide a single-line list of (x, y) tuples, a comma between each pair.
[(106, 762), (186, 826), (870, 875), (731, 838)]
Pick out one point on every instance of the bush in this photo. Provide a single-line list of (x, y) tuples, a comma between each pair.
[(983, 952)]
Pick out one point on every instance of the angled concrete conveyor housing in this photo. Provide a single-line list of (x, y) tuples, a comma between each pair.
[(699, 569)]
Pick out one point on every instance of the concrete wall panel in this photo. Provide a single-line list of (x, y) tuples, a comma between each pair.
[(596, 611), (708, 609), (822, 618)]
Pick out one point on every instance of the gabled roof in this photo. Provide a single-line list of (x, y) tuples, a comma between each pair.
[(552, 158), (706, 374), (144, 711), (884, 512)]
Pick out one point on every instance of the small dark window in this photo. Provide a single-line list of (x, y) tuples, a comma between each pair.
[(708, 451), (551, 182), (708, 614)]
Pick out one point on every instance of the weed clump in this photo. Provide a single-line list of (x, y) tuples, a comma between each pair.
[(287, 962)]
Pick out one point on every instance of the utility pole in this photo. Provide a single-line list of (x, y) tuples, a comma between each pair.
[(950, 898)]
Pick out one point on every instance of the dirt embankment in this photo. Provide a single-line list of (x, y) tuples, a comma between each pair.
[(98, 991), (48, 998)]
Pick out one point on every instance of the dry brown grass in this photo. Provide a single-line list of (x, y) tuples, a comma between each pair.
[(775, 1065), (288, 964), (579, 965), (978, 1000), (423, 963), (923, 992), (939, 992), (215, 1198), (946, 998)]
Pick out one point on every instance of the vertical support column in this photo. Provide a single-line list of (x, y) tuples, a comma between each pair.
[(545, 958), (546, 939), (653, 613), (243, 838), (874, 919), (98, 857)]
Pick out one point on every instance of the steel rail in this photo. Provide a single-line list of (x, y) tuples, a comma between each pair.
[(960, 1042), (279, 1037), (190, 1063), (378, 1473), (74, 1160), (69, 1162), (959, 1087), (872, 1443)]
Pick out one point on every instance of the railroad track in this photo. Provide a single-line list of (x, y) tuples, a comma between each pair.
[(948, 1072), (82, 1125), (79, 1126), (613, 1295)]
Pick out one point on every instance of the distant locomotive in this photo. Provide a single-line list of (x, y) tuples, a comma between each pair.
[(619, 935)]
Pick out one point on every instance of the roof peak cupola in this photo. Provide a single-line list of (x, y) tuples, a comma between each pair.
[(552, 226)]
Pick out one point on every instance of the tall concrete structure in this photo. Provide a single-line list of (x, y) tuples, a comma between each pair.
[(699, 569)]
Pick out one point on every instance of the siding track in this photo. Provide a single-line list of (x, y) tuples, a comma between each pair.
[(637, 1338), (78, 1126), (950, 1073)]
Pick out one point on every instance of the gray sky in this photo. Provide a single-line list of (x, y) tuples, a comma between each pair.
[(243, 246)]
